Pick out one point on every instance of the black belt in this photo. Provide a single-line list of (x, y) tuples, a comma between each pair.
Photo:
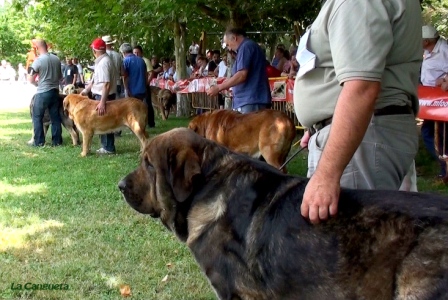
[(385, 111), (109, 97)]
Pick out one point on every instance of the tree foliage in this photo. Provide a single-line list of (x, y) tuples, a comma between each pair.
[(72, 25), (14, 40)]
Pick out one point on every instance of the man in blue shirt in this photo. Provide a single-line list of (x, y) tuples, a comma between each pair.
[(134, 73), (249, 79)]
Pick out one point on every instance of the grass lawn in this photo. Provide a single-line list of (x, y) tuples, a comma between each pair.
[(63, 221)]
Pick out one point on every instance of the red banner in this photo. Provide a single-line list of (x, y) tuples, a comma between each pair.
[(433, 103)]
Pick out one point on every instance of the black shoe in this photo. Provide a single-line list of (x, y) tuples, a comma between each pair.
[(118, 133)]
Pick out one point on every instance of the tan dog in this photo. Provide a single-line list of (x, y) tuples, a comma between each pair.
[(128, 112), (241, 220), (70, 89), (163, 100), (268, 133)]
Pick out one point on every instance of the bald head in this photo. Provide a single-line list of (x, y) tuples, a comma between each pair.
[(41, 46)]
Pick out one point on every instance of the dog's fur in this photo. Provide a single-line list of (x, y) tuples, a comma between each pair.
[(66, 121), (241, 220), (128, 112), (268, 133), (164, 100)]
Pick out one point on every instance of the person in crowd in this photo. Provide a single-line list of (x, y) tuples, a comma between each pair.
[(4, 72), (70, 72), (48, 67), (172, 75), (209, 55), (272, 71), (189, 68), (165, 74), (193, 50), (156, 67), (21, 71), (434, 72), (134, 73), (221, 70), (282, 56), (291, 67), (364, 114), (276, 58), (80, 82), (249, 79), (201, 67), (138, 51), (117, 62), (103, 88)]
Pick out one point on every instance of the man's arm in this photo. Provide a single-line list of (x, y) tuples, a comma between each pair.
[(126, 83), (237, 78), (32, 78), (351, 118), (101, 107)]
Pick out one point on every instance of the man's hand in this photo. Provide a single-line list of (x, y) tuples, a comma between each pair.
[(101, 108), (84, 92), (213, 91), (320, 199), (305, 139)]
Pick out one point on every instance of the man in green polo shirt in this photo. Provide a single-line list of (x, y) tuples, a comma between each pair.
[(356, 91)]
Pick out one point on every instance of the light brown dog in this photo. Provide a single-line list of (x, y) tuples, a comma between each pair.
[(268, 133), (128, 112)]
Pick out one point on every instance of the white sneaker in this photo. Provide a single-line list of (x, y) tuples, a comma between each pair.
[(104, 151)]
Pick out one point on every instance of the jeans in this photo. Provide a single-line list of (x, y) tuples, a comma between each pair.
[(252, 107), (47, 100), (148, 102), (107, 140), (428, 136)]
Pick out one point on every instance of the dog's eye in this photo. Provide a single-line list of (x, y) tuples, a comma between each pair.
[(148, 163)]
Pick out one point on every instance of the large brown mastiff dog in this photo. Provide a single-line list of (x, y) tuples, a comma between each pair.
[(268, 133), (128, 112), (241, 220)]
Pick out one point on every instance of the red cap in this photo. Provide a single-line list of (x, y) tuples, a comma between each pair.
[(98, 44)]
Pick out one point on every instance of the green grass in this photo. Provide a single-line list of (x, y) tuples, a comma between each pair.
[(63, 220)]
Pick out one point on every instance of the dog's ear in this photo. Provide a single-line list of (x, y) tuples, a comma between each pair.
[(193, 127), (185, 173), (66, 105)]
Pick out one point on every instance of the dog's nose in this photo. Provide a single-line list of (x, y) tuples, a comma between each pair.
[(122, 185)]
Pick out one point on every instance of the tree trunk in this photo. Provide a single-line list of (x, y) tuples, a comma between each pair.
[(183, 104)]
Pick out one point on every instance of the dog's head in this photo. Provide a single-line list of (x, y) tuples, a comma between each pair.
[(69, 89), (200, 123), (70, 102), (166, 98), (168, 175)]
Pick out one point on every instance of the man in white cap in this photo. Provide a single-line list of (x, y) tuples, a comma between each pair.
[(434, 73), (117, 60), (435, 61)]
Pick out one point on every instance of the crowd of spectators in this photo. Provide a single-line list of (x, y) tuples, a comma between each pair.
[(9, 74)]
